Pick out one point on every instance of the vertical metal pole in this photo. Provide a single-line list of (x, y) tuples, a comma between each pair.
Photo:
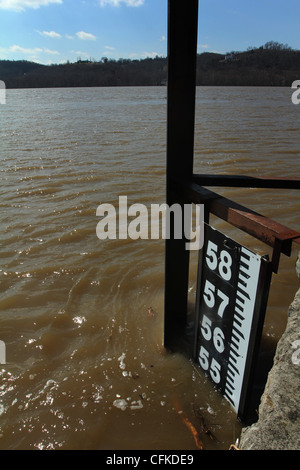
[(182, 58)]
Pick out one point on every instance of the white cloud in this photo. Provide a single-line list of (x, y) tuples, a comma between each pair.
[(117, 3), (110, 48), (20, 5), (24, 50), (50, 34), (85, 54), (31, 51), (49, 51), (147, 55), (143, 55), (86, 36)]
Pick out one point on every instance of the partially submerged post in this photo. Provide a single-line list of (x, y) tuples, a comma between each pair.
[(182, 56)]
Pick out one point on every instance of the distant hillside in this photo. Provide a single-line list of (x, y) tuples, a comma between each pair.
[(18, 68), (85, 73), (270, 65), (273, 64)]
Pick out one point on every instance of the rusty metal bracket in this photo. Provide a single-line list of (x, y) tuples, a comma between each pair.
[(241, 181), (283, 244), (272, 233)]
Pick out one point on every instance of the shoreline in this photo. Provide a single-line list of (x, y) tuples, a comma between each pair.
[(278, 425)]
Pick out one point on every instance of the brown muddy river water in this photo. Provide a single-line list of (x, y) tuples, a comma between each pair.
[(85, 366)]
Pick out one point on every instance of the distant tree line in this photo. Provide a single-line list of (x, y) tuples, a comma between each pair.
[(84, 73), (273, 64)]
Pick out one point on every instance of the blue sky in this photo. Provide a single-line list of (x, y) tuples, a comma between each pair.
[(54, 31)]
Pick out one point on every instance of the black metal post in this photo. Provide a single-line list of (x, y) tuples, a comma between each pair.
[(182, 58)]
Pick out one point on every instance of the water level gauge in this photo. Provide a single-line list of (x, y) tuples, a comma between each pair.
[(232, 292)]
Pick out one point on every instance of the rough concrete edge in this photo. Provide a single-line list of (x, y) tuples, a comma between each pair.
[(278, 425)]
